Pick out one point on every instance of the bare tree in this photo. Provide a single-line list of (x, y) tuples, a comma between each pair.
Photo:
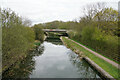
[(91, 10), (26, 22)]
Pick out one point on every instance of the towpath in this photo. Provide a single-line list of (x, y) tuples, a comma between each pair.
[(98, 55)]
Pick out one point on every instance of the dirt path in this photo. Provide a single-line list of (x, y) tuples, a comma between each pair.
[(100, 56)]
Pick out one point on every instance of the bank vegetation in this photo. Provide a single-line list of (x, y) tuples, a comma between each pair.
[(17, 37), (108, 67)]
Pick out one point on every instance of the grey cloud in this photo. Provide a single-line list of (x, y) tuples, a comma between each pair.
[(48, 10)]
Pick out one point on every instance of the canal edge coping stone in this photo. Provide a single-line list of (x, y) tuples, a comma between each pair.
[(99, 69)]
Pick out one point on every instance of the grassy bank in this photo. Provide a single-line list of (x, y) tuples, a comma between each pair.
[(96, 51), (113, 71)]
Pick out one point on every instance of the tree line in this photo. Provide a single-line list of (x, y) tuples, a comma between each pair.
[(98, 29), (17, 37)]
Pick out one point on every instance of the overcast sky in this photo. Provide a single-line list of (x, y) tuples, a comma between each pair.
[(39, 11)]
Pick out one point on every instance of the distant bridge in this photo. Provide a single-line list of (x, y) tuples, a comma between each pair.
[(62, 32), (55, 30)]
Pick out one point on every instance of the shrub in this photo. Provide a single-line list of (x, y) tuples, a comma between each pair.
[(101, 42), (39, 34), (17, 38)]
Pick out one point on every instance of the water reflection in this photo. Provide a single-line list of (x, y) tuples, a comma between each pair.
[(58, 61), (52, 60), (83, 68), (55, 41), (25, 68)]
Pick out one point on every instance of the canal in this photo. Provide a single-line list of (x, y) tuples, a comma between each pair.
[(52, 59)]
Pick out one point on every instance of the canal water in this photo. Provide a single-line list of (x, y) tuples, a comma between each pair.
[(52, 59)]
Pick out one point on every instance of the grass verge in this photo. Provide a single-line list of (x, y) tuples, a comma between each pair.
[(113, 71), (95, 51)]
